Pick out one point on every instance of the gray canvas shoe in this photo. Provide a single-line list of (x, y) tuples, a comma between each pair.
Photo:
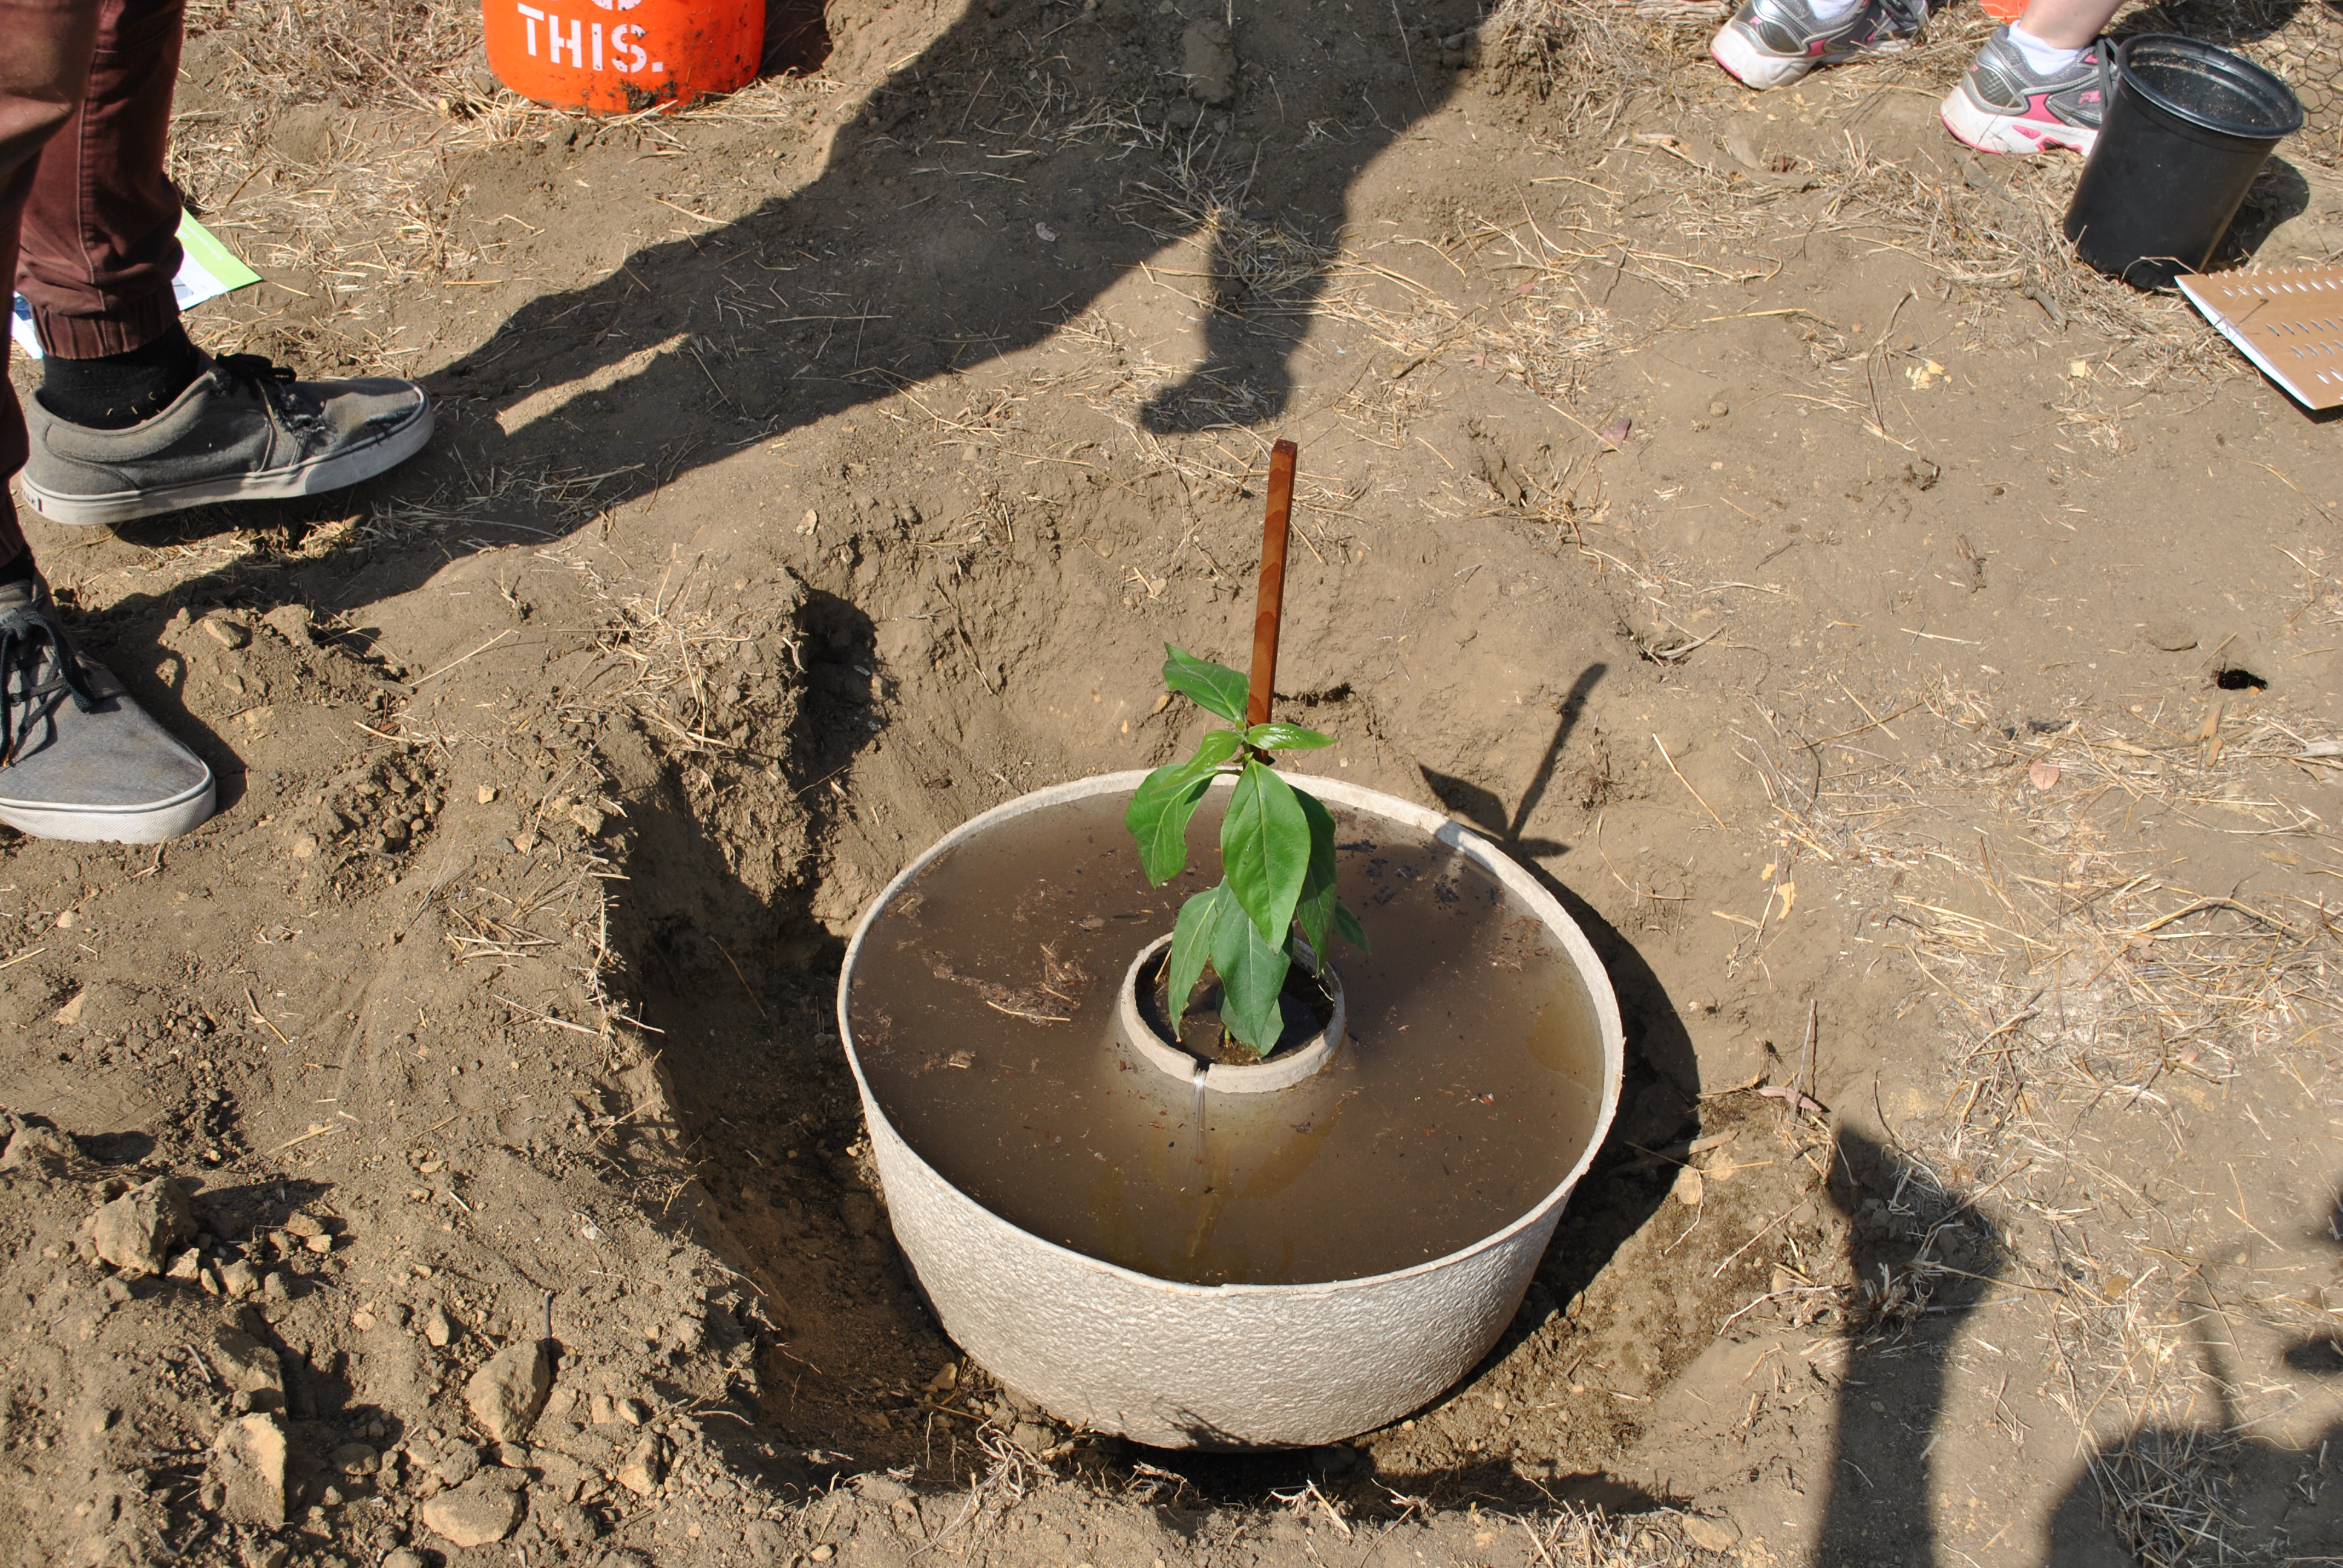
[(243, 430), (78, 759)]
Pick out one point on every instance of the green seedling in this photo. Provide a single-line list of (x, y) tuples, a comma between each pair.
[(1277, 858)]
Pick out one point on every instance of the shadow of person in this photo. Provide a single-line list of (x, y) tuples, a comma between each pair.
[(995, 185), (1922, 1259), (1001, 181), (2165, 1494)]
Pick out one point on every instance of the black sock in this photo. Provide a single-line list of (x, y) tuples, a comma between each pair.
[(119, 390)]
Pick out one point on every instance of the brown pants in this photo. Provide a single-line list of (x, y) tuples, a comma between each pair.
[(85, 113)]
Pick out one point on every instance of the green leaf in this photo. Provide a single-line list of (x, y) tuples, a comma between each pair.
[(1157, 820), (1252, 973), (1215, 688), (1191, 945), (1286, 738), (1347, 927), (1265, 851), (1159, 808), (1315, 910)]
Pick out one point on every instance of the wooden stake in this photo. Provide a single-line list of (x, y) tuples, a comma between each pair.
[(1270, 602)]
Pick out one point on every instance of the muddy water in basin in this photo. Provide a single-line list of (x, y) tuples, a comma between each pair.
[(983, 1011)]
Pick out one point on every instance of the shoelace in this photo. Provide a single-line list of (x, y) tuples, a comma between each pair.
[(28, 698), (270, 380), (256, 369), (1906, 16)]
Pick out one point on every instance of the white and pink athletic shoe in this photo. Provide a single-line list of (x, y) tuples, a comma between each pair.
[(1773, 43), (2002, 106)]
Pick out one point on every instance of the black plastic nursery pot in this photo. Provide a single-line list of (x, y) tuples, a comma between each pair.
[(2186, 131)]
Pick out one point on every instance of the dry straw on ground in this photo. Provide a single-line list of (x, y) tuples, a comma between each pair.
[(2090, 976)]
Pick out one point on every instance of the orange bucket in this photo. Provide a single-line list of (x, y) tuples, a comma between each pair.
[(2004, 10), (614, 56)]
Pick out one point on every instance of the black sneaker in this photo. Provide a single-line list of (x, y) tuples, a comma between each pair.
[(242, 430), (78, 759)]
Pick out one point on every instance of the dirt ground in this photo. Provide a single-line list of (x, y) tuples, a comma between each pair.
[(1913, 660)]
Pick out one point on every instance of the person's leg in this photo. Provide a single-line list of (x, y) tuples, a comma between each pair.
[(78, 759), (132, 420), (1773, 43), (2041, 82), (2067, 24), (100, 242), (43, 71)]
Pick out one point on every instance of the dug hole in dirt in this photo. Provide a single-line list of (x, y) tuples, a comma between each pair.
[(1910, 659)]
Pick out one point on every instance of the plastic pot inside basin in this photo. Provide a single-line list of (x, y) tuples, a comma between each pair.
[(1144, 1026), (1142, 1253)]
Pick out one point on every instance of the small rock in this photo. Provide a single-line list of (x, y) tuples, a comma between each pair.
[(633, 1411), (645, 1466), (1689, 1189), (304, 1225), (2169, 633), (476, 1513), (291, 622), (403, 1558), (238, 1278), (823, 1553), (247, 1465), (485, 795), (459, 1464), (589, 821), (362, 1320), (185, 1266), (509, 1390), (1034, 1437), (1209, 60), (248, 1366), (43, 1151), (600, 1412), (225, 631), (305, 846), (319, 1244), (136, 1231), (357, 1459), (437, 1328), (566, 1522), (1719, 408), (882, 1488), (1718, 1534), (265, 1554), (273, 1288)]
